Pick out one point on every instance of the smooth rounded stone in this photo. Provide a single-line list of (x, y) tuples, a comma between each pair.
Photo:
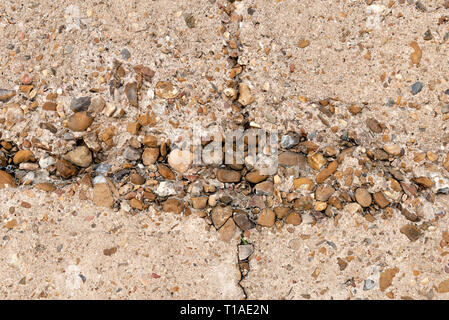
[(373, 125), (199, 202), (102, 195), (136, 204), (131, 93), (149, 156), (417, 87), (173, 205), (255, 177), (26, 79), (165, 172), (44, 163), (319, 205), (294, 244), (131, 153), (267, 217), (323, 193), (165, 90), (228, 176), (219, 215), (308, 218), (165, 189), (227, 231), (80, 156), (6, 180), (327, 172), (245, 251), (264, 188), (289, 141), (125, 54), (137, 179), (6, 94), (363, 197), (411, 232), (23, 156), (180, 160), (80, 104), (380, 199), (243, 222), (245, 97), (79, 121), (291, 159), (294, 218), (66, 169), (392, 149), (45, 186)]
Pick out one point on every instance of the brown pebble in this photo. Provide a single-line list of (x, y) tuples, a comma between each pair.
[(6, 179), (80, 121), (102, 195), (150, 155), (23, 156), (294, 218), (66, 169), (45, 186), (136, 204), (363, 197), (255, 177), (423, 182), (411, 231), (131, 93), (380, 199), (137, 179), (327, 172), (267, 218), (173, 205), (228, 176), (165, 172)]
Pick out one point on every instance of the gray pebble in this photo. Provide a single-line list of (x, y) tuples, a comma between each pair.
[(245, 250), (368, 284), (80, 104), (289, 141), (445, 109), (417, 87), (125, 54)]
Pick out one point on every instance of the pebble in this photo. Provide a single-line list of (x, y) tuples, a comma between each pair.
[(392, 149), (245, 251), (386, 278), (23, 156), (228, 176), (44, 163), (66, 169), (199, 202), (245, 97), (80, 104), (423, 182), (45, 186), (26, 79), (227, 231), (289, 141), (264, 188), (6, 180), (136, 204), (6, 94), (373, 125), (149, 156), (131, 93), (137, 179), (125, 54), (165, 90), (326, 173), (294, 218), (131, 153), (102, 195), (165, 172), (363, 197), (243, 222), (165, 189), (79, 121), (417, 87), (267, 218), (290, 159), (80, 156), (316, 161), (180, 160), (368, 284), (323, 192), (255, 177), (173, 205), (380, 199), (145, 72), (97, 104), (220, 215), (305, 184), (411, 231)]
